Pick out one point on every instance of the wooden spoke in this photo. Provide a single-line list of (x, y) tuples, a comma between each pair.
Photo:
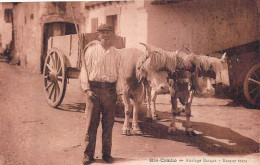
[(51, 93), (57, 62), (254, 81), (252, 85), (46, 88), (256, 75), (253, 90), (49, 67), (59, 68), (58, 88), (55, 92), (52, 60), (60, 78), (256, 96)]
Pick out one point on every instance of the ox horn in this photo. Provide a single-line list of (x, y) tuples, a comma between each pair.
[(144, 45), (186, 47), (148, 47), (177, 51), (223, 58)]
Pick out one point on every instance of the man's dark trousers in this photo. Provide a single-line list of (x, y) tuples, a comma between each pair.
[(104, 103)]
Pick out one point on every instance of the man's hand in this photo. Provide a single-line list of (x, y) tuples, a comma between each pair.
[(90, 94)]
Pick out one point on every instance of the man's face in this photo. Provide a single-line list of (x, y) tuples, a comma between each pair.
[(104, 36)]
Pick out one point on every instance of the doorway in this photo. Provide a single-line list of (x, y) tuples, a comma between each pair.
[(54, 29)]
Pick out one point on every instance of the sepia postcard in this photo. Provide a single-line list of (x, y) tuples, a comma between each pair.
[(169, 82)]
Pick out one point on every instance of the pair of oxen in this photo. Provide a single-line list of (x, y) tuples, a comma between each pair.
[(146, 71)]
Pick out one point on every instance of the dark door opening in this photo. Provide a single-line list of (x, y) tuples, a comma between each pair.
[(112, 21)]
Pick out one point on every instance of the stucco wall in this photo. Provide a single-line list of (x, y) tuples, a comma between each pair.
[(28, 35), (202, 25), (131, 20), (29, 19), (5, 28)]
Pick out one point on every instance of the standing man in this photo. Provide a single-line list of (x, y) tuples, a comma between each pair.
[(98, 80)]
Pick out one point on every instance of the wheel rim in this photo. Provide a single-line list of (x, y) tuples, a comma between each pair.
[(252, 85), (54, 78)]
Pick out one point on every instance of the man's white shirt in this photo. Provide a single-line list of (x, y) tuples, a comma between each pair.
[(102, 65)]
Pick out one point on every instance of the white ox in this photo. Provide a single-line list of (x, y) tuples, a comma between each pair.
[(183, 69), (152, 89), (203, 87), (131, 86)]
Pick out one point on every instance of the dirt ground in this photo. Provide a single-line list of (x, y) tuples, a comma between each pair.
[(33, 133)]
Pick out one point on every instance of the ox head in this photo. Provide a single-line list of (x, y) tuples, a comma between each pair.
[(204, 86), (222, 74), (158, 80), (210, 66), (221, 70)]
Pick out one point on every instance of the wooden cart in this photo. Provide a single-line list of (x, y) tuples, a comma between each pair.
[(63, 61), (244, 71)]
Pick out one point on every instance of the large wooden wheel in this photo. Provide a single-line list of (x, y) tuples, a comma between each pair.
[(252, 85), (54, 77)]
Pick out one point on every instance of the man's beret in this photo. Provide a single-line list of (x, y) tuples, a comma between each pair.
[(104, 27)]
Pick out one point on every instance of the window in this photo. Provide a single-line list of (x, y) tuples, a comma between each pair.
[(112, 21), (8, 15), (94, 25)]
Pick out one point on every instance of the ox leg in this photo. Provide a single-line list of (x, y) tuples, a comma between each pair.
[(172, 129), (153, 109), (149, 112), (135, 126), (189, 130), (126, 126)]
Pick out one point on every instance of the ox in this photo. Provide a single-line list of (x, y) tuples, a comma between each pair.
[(131, 86), (183, 69), (152, 89), (203, 87)]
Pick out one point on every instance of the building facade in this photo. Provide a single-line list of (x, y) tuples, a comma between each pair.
[(6, 16), (32, 28), (204, 26)]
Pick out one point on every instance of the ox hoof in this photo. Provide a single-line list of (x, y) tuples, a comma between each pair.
[(137, 132), (172, 130), (148, 120), (126, 132), (190, 132)]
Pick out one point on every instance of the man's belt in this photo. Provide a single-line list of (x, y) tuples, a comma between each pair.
[(97, 84)]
